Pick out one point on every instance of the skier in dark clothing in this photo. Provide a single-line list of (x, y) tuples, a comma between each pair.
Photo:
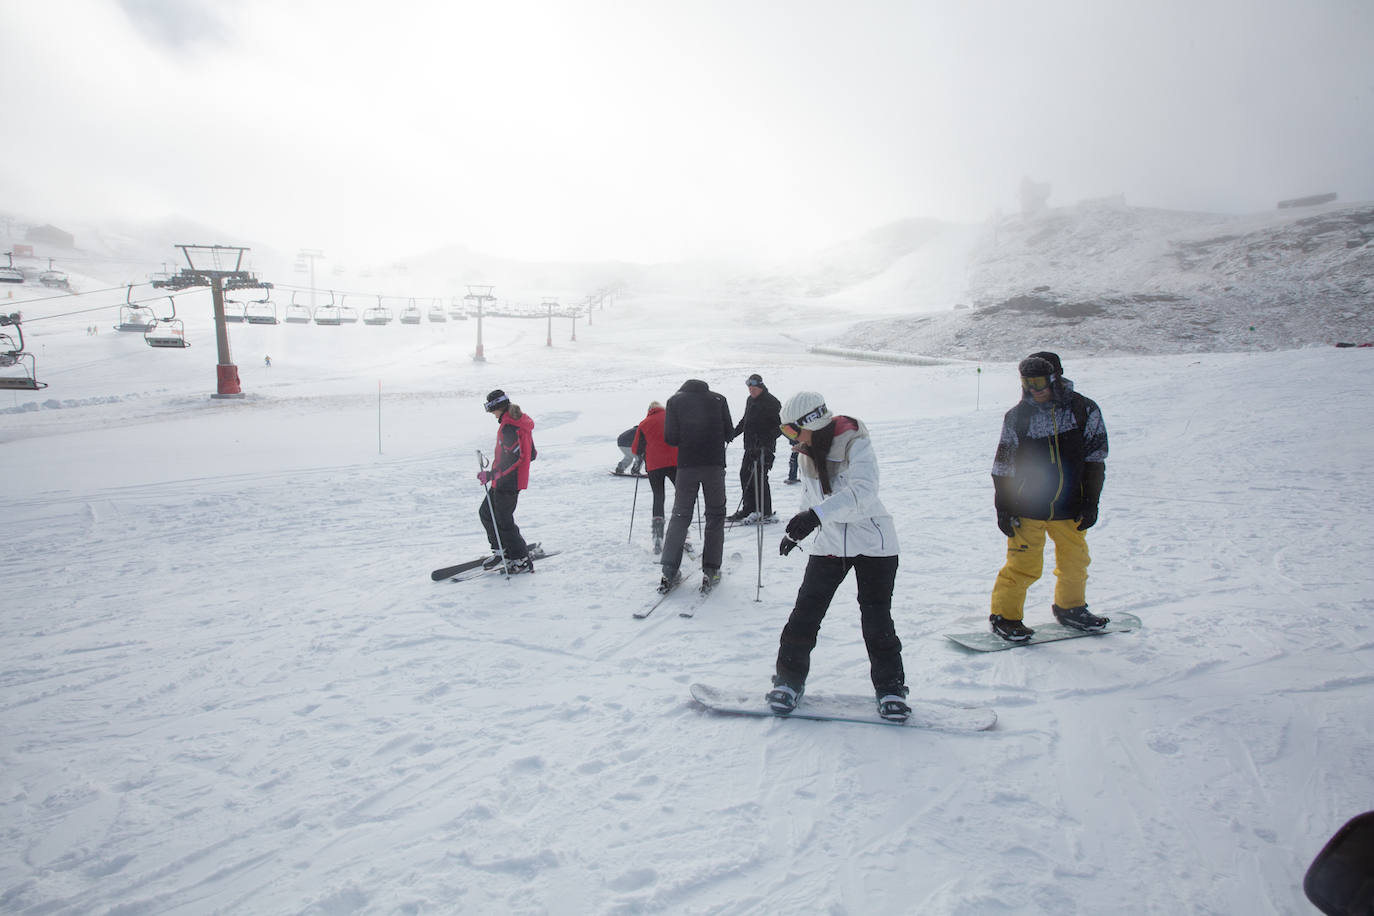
[(1047, 479), (697, 422), (508, 475), (759, 424), (626, 441)]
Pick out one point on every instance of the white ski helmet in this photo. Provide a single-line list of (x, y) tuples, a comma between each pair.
[(807, 410)]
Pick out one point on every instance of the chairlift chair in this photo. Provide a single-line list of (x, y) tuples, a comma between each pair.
[(136, 319), (411, 314), (13, 356), (377, 316), (235, 312), (167, 333), (329, 314), (11, 274), (436, 311), (456, 310), (347, 313), (261, 311), (297, 314), (56, 279)]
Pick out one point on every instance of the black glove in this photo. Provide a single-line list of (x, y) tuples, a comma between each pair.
[(1008, 523), (1094, 474), (802, 524)]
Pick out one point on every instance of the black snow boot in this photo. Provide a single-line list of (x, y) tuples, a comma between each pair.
[(1080, 618), (1010, 630), (782, 699)]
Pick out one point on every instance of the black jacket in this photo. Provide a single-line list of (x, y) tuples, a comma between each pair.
[(1051, 458), (697, 421), (761, 423)]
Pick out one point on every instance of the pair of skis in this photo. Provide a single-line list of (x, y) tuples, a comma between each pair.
[(689, 611), (473, 568)]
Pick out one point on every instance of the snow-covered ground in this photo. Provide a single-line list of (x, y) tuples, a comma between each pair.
[(227, 683)]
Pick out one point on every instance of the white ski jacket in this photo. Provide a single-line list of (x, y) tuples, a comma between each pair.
[(853, 519)]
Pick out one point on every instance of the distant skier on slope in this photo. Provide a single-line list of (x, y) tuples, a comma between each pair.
[(508, 475), (1047, 479)]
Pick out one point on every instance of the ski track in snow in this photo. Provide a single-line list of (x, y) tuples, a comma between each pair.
[(228, 685)]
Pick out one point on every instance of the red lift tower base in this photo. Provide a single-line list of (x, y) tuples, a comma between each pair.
[(228, 382)]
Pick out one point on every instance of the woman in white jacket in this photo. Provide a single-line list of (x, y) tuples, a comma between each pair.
[(839, 474)]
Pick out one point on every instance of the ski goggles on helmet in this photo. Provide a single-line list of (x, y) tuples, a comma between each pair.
[(1035, 383), (793, 430)]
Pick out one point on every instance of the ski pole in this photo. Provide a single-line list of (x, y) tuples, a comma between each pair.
[(633, 504), (491, 512), (759, 504)]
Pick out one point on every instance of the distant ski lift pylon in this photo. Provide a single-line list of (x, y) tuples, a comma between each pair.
[(378, 315), (330, 314), (297, 314), (11, 274), (134, 318), (167, 333), (411, 313), (17, 368)]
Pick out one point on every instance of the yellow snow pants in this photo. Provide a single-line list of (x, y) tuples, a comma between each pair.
[(1026, 561)]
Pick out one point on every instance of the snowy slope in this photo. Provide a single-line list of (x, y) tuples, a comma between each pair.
[(228, 685), (1106, 278)]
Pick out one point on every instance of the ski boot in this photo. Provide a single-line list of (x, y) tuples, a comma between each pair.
[(1010, 630), (493, 561), (1080, 618), (669, 582), (710, 578), (522, 565), (658, 534)]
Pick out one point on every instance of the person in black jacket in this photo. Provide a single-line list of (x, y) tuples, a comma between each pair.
[(1047, 480), (760, 425), (697, 422)]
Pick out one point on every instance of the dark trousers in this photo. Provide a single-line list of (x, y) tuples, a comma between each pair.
[(792, 467), (711, 482), (503, 505), (656, 478), (753, 480), (875, 576)]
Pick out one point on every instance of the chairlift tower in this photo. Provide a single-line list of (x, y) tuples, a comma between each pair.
[(213, 266), (551, 303), (480, 295)]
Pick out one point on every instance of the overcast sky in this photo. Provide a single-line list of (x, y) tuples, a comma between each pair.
[(656, 130)]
